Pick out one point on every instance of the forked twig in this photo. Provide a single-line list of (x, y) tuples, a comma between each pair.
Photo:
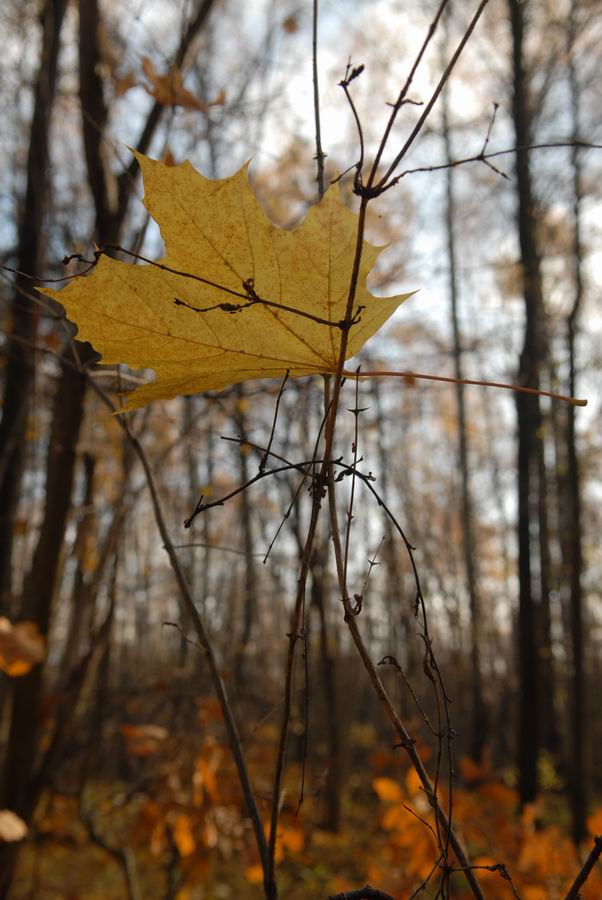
[(404, 91), (263, 460), (384, 181), (485, 157)]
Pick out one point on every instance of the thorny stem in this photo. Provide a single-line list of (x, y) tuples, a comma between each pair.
[(356, 415), (293, 636), (351, 620)]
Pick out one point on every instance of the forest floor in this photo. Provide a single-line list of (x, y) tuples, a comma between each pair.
[(176, 829)]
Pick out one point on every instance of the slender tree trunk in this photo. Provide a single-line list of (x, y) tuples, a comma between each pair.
[(79, 595), (573, 524), (250, 573), (328, 666), (478, 725), (550, 737), (400, 599), (529, 420), (24, 311)]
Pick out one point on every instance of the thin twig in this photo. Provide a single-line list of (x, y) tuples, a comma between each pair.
[(588, 865), (219, 547), (371, 564), (248, 293), (263, 460), (202, 507), (350, 75), (485, 157), (424, 884), (319, 152), (520, 388), (391, 661)]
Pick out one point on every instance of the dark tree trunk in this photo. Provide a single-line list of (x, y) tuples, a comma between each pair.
[(24, 311), (529, 420)]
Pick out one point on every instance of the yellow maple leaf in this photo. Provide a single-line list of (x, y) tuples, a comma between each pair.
[(235, 297)]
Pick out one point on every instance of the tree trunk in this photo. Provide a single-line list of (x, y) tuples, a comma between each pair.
[(550, 736), (529, 420), (401, 599), (250, 573), (328, 665), (572, 526), (24, 311), (478, 723)]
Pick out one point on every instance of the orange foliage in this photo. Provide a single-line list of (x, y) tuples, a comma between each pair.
[(541, 859), (193, 812)]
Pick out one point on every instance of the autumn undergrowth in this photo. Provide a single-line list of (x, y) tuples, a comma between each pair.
[(191, 839)]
